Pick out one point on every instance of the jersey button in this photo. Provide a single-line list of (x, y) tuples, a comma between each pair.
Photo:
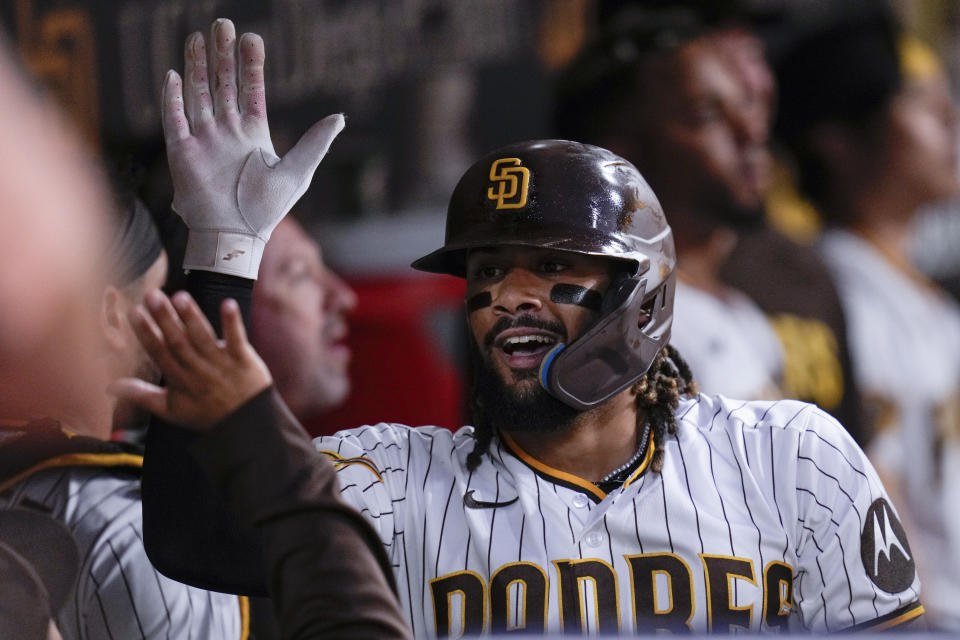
[(594, 538), (580, 501)]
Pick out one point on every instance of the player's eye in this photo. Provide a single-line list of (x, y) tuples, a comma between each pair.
[(488, 272), (554, 267)]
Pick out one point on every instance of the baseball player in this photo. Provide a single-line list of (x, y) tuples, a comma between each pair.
[(69, 469), (597, 490)]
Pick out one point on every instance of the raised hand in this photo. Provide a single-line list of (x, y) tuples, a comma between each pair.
[(206, 378), (230, 187)]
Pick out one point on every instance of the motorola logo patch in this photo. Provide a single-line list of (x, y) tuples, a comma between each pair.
[(884, 549)]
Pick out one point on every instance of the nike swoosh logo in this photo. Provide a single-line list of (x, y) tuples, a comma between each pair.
[(470, 503)]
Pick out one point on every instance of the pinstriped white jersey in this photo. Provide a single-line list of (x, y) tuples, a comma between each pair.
[(119, 595), (766, 515), (905, 344)]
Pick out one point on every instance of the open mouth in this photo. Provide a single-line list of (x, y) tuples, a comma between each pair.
[(524, 349)]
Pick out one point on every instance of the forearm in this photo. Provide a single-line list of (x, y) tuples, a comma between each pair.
[(327, 569), (210, 289), (191, 534)]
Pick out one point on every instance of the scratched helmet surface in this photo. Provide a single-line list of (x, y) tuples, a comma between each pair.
[(568, 196)]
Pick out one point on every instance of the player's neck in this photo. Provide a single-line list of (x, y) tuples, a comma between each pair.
[(699, 264), (94, 419), (598, 442)]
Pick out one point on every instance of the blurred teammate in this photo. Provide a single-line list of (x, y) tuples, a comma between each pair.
[(52, 215), (873, 127), (299, 322), (666, 93), (67, 467), (684, 90)]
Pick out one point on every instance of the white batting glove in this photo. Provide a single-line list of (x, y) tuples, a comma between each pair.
[(230, 187)]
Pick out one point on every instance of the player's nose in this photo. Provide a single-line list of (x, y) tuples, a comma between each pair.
[(340, 295), (519, 291)]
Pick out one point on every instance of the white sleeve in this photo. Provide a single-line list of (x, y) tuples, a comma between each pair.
[(856, 569), (123, 596), (372, 466)]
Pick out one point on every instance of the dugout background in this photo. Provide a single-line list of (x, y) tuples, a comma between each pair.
[(427, 85)]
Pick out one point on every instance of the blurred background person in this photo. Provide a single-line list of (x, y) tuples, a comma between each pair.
[(660, 89), (52, 217), (717, 107), (67, 465), (868, 114), (299, 322)]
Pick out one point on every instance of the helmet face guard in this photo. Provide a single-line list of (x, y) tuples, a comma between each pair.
[(617, 350), (567, 196)]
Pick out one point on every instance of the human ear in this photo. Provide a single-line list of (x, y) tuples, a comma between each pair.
[(113, 317)]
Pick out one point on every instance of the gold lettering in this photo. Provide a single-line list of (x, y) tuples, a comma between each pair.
[(811, 367), (511, 181)]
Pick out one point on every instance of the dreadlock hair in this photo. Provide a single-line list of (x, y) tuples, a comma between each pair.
[(483, 434), (657, 397)]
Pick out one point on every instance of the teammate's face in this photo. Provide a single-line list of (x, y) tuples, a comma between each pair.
[(921, 142), (138, 364), (706, 141), (523, 301), (299, 321)]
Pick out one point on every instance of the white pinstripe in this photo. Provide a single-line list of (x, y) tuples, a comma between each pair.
[(119, 594)]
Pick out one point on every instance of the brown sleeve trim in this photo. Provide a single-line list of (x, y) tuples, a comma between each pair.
[(893, 619)]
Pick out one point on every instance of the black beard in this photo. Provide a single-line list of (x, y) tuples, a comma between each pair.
[(497, 405), (740, 218), (720, 207)]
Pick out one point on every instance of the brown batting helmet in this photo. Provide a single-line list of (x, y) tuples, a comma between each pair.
[(568, 196)]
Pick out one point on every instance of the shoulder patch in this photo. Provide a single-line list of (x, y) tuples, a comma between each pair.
[(884, 549), (339, 462)]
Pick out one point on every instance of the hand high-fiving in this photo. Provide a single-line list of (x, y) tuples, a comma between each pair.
[(230, 187), (206, 378)]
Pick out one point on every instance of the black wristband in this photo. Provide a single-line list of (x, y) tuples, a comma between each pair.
[(210, 289)]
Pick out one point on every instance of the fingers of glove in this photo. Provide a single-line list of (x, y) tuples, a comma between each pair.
[(252, 101), (175, 335), (143, 394), (175, 125), (223, 65), (234, 333), (196, 89), (198, 328), (151, 338), (303, 158)]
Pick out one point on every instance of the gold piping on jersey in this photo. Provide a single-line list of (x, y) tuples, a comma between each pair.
[(648, 456), (244, 617), (901, 616), (75, 460), (570, 480), (340, 462)]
